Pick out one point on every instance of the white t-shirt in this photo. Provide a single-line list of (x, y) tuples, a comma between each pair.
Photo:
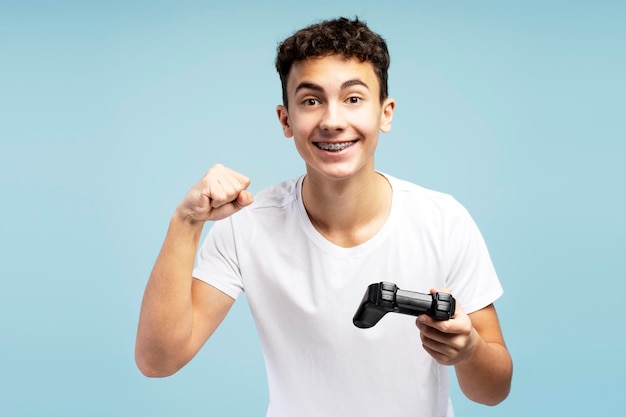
[(303, 292)]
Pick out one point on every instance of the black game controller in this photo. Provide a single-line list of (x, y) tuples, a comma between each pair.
[(384, 297)]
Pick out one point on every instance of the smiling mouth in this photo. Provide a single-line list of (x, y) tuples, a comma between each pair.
[(334, 147)]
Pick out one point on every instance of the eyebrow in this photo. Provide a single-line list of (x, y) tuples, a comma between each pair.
[(315, 87)]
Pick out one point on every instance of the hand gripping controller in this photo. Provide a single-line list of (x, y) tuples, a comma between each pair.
[(385, 297)]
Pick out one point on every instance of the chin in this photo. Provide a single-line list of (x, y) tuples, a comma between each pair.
[(338, 173)]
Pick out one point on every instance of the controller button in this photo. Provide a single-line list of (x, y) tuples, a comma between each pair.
[(443, 306)]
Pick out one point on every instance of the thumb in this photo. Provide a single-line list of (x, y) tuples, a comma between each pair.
[(245, 198)]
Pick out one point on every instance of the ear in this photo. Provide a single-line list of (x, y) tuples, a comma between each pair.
[(283, 118), (387, 115)]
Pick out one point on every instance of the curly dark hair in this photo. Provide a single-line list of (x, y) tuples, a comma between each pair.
[(341, 36)]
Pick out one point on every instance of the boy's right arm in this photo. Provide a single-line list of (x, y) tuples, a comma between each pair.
[(179, 313)]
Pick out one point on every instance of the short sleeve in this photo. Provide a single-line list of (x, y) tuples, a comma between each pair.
[(471, 276), (217, 262)]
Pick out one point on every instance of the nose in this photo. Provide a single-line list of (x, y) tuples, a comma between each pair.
[(333, 118)]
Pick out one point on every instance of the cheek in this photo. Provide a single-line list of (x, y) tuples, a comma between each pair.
[(367, 119), (299, 137), (369, 125), (302, 126), (302, 147)]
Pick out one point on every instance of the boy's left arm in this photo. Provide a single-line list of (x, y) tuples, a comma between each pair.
[(475, 346)]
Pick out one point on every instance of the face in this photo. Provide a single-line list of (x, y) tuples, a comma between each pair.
[(335, 115)]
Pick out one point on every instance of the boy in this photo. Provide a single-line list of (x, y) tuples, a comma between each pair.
[(307, 249)]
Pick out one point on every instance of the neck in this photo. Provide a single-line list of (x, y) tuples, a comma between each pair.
[(349, 212)]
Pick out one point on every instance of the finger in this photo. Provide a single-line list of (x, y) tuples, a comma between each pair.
[(428, 321), (220, 195), (458, 309), (232, 181), (220, 191), (223, 185), (441, 357), (434, 346), (433, 333), (434, 338), (245, 198), (445, 345), (434, 341), (231, 178), (456, 325)]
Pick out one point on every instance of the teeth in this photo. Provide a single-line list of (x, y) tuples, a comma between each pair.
[(333, 147)]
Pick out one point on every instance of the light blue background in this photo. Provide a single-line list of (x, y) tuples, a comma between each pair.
[(110, 111)]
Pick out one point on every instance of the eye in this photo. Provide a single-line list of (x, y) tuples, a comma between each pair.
[(354, 100), (310, 102)]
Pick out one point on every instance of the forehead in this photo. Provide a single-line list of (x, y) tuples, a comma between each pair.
[(331, 72)]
